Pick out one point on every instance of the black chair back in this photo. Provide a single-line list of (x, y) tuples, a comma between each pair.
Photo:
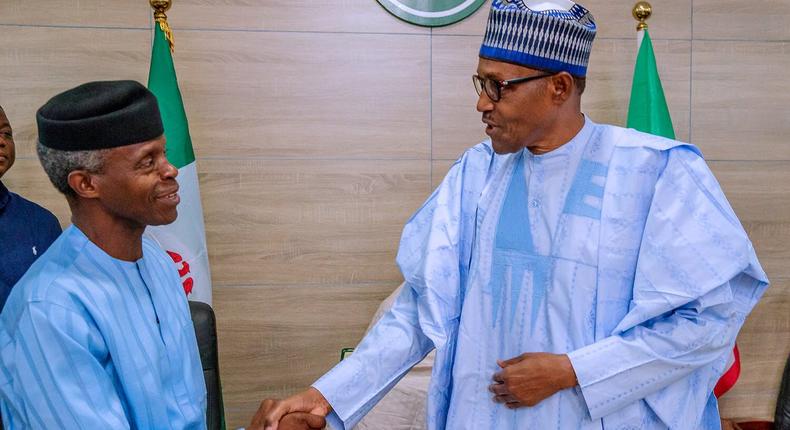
[(782, 416), (206, 334)]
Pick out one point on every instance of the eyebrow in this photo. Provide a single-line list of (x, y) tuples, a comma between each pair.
[(490, 75)]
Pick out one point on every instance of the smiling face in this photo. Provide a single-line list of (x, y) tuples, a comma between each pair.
[(7, 150), (520, 118), (137, 185)]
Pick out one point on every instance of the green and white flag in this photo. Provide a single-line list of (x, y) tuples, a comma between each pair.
[(185, 239), (648, 111)]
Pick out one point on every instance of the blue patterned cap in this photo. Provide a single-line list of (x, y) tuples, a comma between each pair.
[(540, 34)]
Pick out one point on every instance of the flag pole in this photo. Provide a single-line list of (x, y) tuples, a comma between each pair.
[(641, 12), (647, 110), (160, 7)]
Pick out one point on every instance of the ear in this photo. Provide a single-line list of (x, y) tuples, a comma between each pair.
[(84, 184), (562, 87)]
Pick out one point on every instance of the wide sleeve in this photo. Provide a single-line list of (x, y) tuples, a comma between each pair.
[(697, 278), (56, 366), (388, 351), (433, 257)]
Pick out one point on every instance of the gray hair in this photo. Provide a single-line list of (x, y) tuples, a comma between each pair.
[(58, 164)]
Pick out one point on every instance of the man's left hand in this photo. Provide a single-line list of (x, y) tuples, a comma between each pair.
[(531, 377)]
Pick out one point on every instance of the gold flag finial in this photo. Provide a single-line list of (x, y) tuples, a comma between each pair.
[(641, 12), (160, 7)]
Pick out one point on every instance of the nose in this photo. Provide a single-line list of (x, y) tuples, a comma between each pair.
[(484, 103), (169, 171)]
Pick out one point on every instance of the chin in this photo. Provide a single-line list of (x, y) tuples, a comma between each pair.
[(165, 219)]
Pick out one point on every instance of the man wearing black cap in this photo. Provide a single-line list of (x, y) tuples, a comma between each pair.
[(97, 334), (26, 229)]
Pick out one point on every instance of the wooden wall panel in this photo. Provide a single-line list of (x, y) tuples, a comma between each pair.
[(306, 95), (740, 100), (758, 191), (37, 63), (305, 222), (611, 70), (77, 13), (270, 15), (276, 340), (764, 344), (771, 240), (456, 123), (289, 15), (740, 20), (671, 20)]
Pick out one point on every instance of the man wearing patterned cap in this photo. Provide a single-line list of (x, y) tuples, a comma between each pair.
[(569, 275), (97, 334)]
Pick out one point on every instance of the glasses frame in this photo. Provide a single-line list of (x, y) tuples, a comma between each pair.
[(480, 84)]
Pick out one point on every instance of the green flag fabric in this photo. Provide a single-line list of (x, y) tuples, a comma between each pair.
[(162, 82), (185, 239), (648, 111)]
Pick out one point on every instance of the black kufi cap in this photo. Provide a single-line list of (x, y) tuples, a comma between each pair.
[(99, 115)]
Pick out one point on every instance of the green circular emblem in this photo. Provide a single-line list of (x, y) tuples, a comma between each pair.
[(431, 13)]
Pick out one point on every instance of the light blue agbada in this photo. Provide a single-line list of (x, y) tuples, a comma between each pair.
[(88, 341), (619, 249)]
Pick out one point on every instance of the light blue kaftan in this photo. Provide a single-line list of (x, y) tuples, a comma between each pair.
[(618, 249), (88, 341)]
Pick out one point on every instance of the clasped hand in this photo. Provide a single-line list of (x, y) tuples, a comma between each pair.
[(531, 377), (303, 411)]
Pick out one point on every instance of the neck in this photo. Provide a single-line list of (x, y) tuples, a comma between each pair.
[(119, 239), (558, 133)]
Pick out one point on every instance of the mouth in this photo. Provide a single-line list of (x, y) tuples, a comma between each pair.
[(170, 197), (489, 127)]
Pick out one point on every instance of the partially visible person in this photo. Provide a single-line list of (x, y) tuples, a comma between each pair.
[(97, 334), (26, 229)]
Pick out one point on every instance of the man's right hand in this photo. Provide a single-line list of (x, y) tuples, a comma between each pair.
[(310, 401)]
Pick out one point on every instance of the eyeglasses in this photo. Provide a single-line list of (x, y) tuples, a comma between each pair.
[(493, 88)]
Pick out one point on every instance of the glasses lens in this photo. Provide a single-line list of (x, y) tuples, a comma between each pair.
[(492, 89), (478, 84)]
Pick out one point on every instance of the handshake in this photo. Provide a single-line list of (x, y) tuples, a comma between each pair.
[(303, 411)]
